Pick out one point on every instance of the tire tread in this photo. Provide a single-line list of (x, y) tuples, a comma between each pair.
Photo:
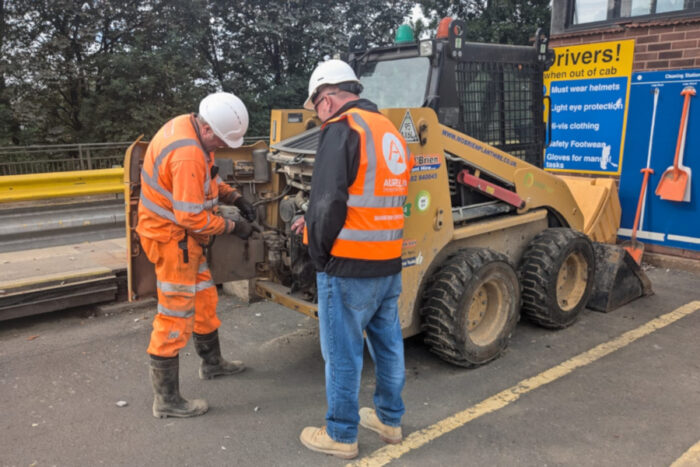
[(441, 299), (537, 271)]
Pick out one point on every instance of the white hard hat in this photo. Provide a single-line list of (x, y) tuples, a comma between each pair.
[(329, 72), (226, 115)]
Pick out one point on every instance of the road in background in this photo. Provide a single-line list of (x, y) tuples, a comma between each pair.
[(62, 374), (50, 223)]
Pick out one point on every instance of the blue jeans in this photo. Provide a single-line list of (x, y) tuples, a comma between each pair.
[(346, 308)]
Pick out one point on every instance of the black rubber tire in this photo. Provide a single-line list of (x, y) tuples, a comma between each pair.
[(548, 298), (451, 295)]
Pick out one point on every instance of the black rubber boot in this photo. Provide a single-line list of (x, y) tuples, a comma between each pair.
[(213, 364), (167, 400)]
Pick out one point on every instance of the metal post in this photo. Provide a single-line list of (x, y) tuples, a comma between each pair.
[(80, 155)]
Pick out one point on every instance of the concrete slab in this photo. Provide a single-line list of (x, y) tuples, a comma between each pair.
[(43, 264)]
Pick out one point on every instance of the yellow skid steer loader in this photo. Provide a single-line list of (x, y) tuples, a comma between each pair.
[(488, 234)]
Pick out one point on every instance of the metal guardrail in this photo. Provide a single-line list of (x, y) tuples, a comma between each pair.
[(61, 184), (18, 160)]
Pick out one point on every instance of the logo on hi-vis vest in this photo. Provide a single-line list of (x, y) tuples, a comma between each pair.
[(394, 153)]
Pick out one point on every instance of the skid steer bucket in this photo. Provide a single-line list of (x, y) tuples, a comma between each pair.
[(599, 203), (618, 279)]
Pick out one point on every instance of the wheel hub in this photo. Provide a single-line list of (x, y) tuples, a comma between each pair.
[(571, 281), (485, 317)]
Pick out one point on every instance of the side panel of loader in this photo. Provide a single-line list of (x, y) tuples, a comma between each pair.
[(428, 224), (429, 231)]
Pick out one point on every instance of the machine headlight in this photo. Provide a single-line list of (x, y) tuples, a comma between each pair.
[(426, 48)]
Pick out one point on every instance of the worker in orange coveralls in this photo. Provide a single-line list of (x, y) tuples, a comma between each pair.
[(176, 217)]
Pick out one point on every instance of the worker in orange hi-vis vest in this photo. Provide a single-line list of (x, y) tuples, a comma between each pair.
[(180, 190), (354, 230)]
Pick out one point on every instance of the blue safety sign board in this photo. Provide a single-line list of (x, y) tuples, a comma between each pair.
[(587, 122), (669, 223)]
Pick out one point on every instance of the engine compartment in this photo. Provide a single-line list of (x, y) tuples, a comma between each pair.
[(288, 256)]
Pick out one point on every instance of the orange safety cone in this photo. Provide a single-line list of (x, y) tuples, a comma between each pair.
[(675, 181)]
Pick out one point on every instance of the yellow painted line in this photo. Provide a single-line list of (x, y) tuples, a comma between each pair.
[(422, 437), (691, 457)]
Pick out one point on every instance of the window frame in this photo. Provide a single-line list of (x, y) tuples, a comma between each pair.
[(614, 8)]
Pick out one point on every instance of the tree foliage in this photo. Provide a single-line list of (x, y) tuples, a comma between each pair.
[(494, 21), (109, 70)]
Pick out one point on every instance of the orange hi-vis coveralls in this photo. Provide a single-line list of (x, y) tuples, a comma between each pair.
[(178, 196)]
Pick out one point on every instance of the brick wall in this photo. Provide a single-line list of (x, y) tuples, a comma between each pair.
[(658, 45)]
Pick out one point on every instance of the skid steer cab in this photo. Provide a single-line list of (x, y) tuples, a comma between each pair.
[(488, 235)]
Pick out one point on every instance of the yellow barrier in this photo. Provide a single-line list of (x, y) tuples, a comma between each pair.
[(61, 184)]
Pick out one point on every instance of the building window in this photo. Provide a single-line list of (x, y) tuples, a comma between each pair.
[(590, 11), (593, 11)]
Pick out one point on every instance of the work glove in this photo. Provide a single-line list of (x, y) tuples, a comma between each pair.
[(235, 223), (243, 229), (246, 208)]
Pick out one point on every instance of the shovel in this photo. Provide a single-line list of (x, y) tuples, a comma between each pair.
[(675, 181), (684, 168), (634, 247)]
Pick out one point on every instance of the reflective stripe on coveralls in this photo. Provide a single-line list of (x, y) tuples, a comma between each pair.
[(187, 296), (373, 226), (184, 206)]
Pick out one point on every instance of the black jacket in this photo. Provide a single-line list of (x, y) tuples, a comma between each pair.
[(335, 168)]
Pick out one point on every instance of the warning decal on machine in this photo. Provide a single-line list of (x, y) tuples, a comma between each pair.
[(408, 129)]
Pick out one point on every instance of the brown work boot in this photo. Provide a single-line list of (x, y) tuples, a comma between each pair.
[(167, 401), (370, 420), (213, 364), (318, 440)]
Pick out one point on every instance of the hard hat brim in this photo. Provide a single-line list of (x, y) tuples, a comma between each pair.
[(308, 105), (233, 142)]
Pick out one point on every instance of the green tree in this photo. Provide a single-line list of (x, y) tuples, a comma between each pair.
[(493, 21), (54, 59), (109, 70), (9, 126), (153, 74), (265, 51)]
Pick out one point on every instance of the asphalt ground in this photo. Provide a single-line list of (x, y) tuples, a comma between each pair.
[(614, 389)]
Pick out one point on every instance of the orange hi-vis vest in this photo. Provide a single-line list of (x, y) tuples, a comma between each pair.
[(373, 228), (177, 191)]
